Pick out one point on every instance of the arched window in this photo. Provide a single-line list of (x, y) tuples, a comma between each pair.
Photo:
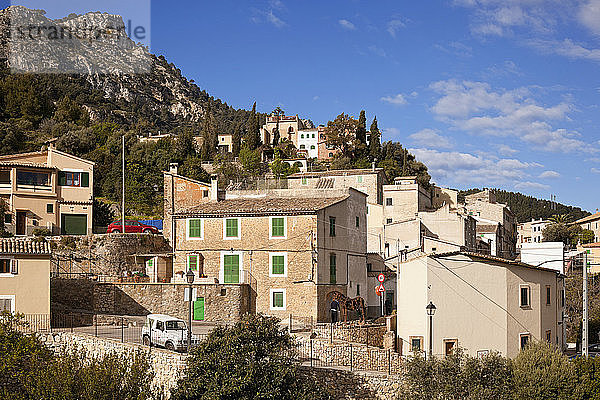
[(302, 136), (312, 147), (313, 135)]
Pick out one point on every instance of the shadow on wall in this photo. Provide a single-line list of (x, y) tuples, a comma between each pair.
[(341, 384)]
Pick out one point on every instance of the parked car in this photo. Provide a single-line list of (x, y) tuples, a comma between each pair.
[(166, 331), (131, 227)]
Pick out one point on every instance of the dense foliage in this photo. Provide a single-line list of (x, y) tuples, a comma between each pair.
[(246, 361), (568, 234), (538, 372), (527, 208), (28, 370)]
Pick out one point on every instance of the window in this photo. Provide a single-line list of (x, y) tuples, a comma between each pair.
[(482, 353), (33, 178), (313, 135), (194, 228), (231, 268), (332, 268), (449, 346), (278, 264), (369, 267), (359, 179), (8, 218), (416, 343), (5, 266), (388, 221), (50, 208), (357, 221), (277, 299), (330, 154), (278, 227), (304, 180), (388, 201), (231, 230), (76, 179), (524, 339), (332, 226), (7, 303), (193, 262), (549, 336), (302, 136), (205, 193), (302, 147), (525, 297), (4, 177), (358, 289), (312, 147), (547, 295)]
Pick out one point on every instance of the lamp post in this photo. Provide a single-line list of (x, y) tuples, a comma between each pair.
[(189, 276), (430, 311)]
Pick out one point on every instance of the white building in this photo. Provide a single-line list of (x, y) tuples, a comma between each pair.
[(545, 254), (308, 142)]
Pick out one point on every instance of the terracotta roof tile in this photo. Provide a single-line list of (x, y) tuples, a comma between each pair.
[(592, 217), (262, 206), (23, 246)]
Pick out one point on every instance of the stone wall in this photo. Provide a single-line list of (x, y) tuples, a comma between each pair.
[(366, 334), (167, 366), (222, 303)]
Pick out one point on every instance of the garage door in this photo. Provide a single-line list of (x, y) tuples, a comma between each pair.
[(73, 224)]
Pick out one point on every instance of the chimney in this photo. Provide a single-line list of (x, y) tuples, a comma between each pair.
[(373, 166), (173, 168), (214, 187)]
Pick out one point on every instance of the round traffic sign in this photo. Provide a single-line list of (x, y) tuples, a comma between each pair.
[(381, 278)]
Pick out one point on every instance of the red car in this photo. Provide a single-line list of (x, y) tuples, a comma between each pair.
[(131, 227)]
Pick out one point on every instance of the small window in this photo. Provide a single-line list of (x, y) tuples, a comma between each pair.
[(302, 147), (358, 289), (277, 299), (312, 147), (7, 303), (416, 344), (357, 221), (434, 249), (302, 136), (388, 221), (231, 228), (332, 226), (4, 266), (359, 179), (193, 260), (332, 268), (8, 218), (548, 298), (388, 201), (50, 208), (525, 297), (304, 180), (205, 193), (223, 292), (524, 339), (330, 154), (4, 177), (549, 336), (194, 229), (449, 346), (313, 135), (277, 227)]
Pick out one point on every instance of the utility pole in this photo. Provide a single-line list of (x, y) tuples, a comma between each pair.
[(123, 193), (584, 330)]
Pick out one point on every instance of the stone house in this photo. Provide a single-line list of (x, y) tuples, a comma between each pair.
[(531, 232), (591, 222), (483, 207), (47, 189), (25, 277), (293, 248), (484, 304)]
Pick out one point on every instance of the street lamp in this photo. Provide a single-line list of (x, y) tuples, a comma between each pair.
[(189, 276), (430, 311)]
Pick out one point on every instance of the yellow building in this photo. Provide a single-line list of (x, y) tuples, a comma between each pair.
[(47, 189)]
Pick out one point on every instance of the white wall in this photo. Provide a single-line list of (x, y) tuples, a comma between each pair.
[(545, 254)]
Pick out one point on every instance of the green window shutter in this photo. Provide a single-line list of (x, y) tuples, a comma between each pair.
[(278, 299), (193, 263), (195, 228), (85, 179), (231, 227), (278, 265), (62, 178), (199, 309), (231, 268), (278, 227), (332, 268), (331, 226)]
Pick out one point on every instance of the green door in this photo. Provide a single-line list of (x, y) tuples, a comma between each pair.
[(199, 309), (73, 224)]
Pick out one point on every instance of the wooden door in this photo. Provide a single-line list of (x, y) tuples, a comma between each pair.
[(21, 222)]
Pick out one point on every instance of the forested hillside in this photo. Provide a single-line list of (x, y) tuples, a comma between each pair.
[(528, 207)]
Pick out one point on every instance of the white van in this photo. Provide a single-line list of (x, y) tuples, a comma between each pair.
[(166, 331)]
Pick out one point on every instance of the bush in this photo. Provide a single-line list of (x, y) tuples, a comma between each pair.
[(246, 361), (41, 232)]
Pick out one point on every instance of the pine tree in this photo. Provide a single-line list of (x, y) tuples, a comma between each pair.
[(361, 131), (253, 130), (375, 141), (209, 134)]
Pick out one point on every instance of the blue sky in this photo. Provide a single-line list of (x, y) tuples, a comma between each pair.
[(485, 92)]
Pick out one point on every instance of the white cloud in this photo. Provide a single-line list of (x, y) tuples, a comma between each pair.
[(477, 109), (593, 159), (315, 98), (465, 168), (566, 48), (276, 21), (549, 174), (397, 100), (595, 170), (456, 48), (431, 139), (394, 132), (377, 51), (527, 185), (589, 15), (506, 150), (344, 23), (394, 25), (261, 16)]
